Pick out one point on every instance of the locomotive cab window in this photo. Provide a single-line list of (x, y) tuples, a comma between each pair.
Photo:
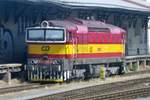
[(35, 35), (49, 35), (55, 35)]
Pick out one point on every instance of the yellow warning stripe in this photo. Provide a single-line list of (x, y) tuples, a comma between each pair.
[(72, 49)]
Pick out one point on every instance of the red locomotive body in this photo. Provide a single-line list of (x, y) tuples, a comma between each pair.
[(78, 50)]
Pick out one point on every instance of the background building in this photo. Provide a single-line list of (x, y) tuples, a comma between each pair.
[(16, 15)]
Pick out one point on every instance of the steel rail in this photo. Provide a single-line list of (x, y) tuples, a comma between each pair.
[(21, 88), (84, 92), (121, 95)]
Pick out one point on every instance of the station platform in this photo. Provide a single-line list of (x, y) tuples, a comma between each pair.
[(13, 82), (8, 69), (146, 98), (57, 88)]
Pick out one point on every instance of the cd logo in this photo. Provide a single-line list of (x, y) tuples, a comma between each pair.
[(45, 48)]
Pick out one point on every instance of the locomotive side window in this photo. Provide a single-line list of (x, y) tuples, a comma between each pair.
[(94, 29)]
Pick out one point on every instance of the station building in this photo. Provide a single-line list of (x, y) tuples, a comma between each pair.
[(16, 15)]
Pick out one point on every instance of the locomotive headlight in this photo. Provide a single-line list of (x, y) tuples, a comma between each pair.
[(33, 61), (56, 61)]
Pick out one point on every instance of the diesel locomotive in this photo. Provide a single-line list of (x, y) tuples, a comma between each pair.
[(61, 50)]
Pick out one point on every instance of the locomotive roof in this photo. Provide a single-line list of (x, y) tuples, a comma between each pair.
[(74, 24)]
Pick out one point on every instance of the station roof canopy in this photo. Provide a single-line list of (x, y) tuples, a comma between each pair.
[(128, 5)]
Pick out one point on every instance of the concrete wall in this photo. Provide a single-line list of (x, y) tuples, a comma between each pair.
[(13, 22), (12, 45), (136, 36), (136, 39)]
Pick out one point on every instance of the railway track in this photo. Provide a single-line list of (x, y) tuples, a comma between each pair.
[(121, 95), (21, 88), (136, 73), (96, 90), (79, 92)]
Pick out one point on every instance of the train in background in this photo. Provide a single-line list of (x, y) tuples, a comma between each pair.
[(61, 50)]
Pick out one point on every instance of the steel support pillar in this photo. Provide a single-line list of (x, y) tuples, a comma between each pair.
[(130, 65), (7, 77), (144, 63), (138, 65)]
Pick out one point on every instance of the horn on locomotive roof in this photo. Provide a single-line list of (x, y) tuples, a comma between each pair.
[(44, 23)]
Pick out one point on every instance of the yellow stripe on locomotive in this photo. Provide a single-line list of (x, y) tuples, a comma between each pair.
[(81, 48)]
